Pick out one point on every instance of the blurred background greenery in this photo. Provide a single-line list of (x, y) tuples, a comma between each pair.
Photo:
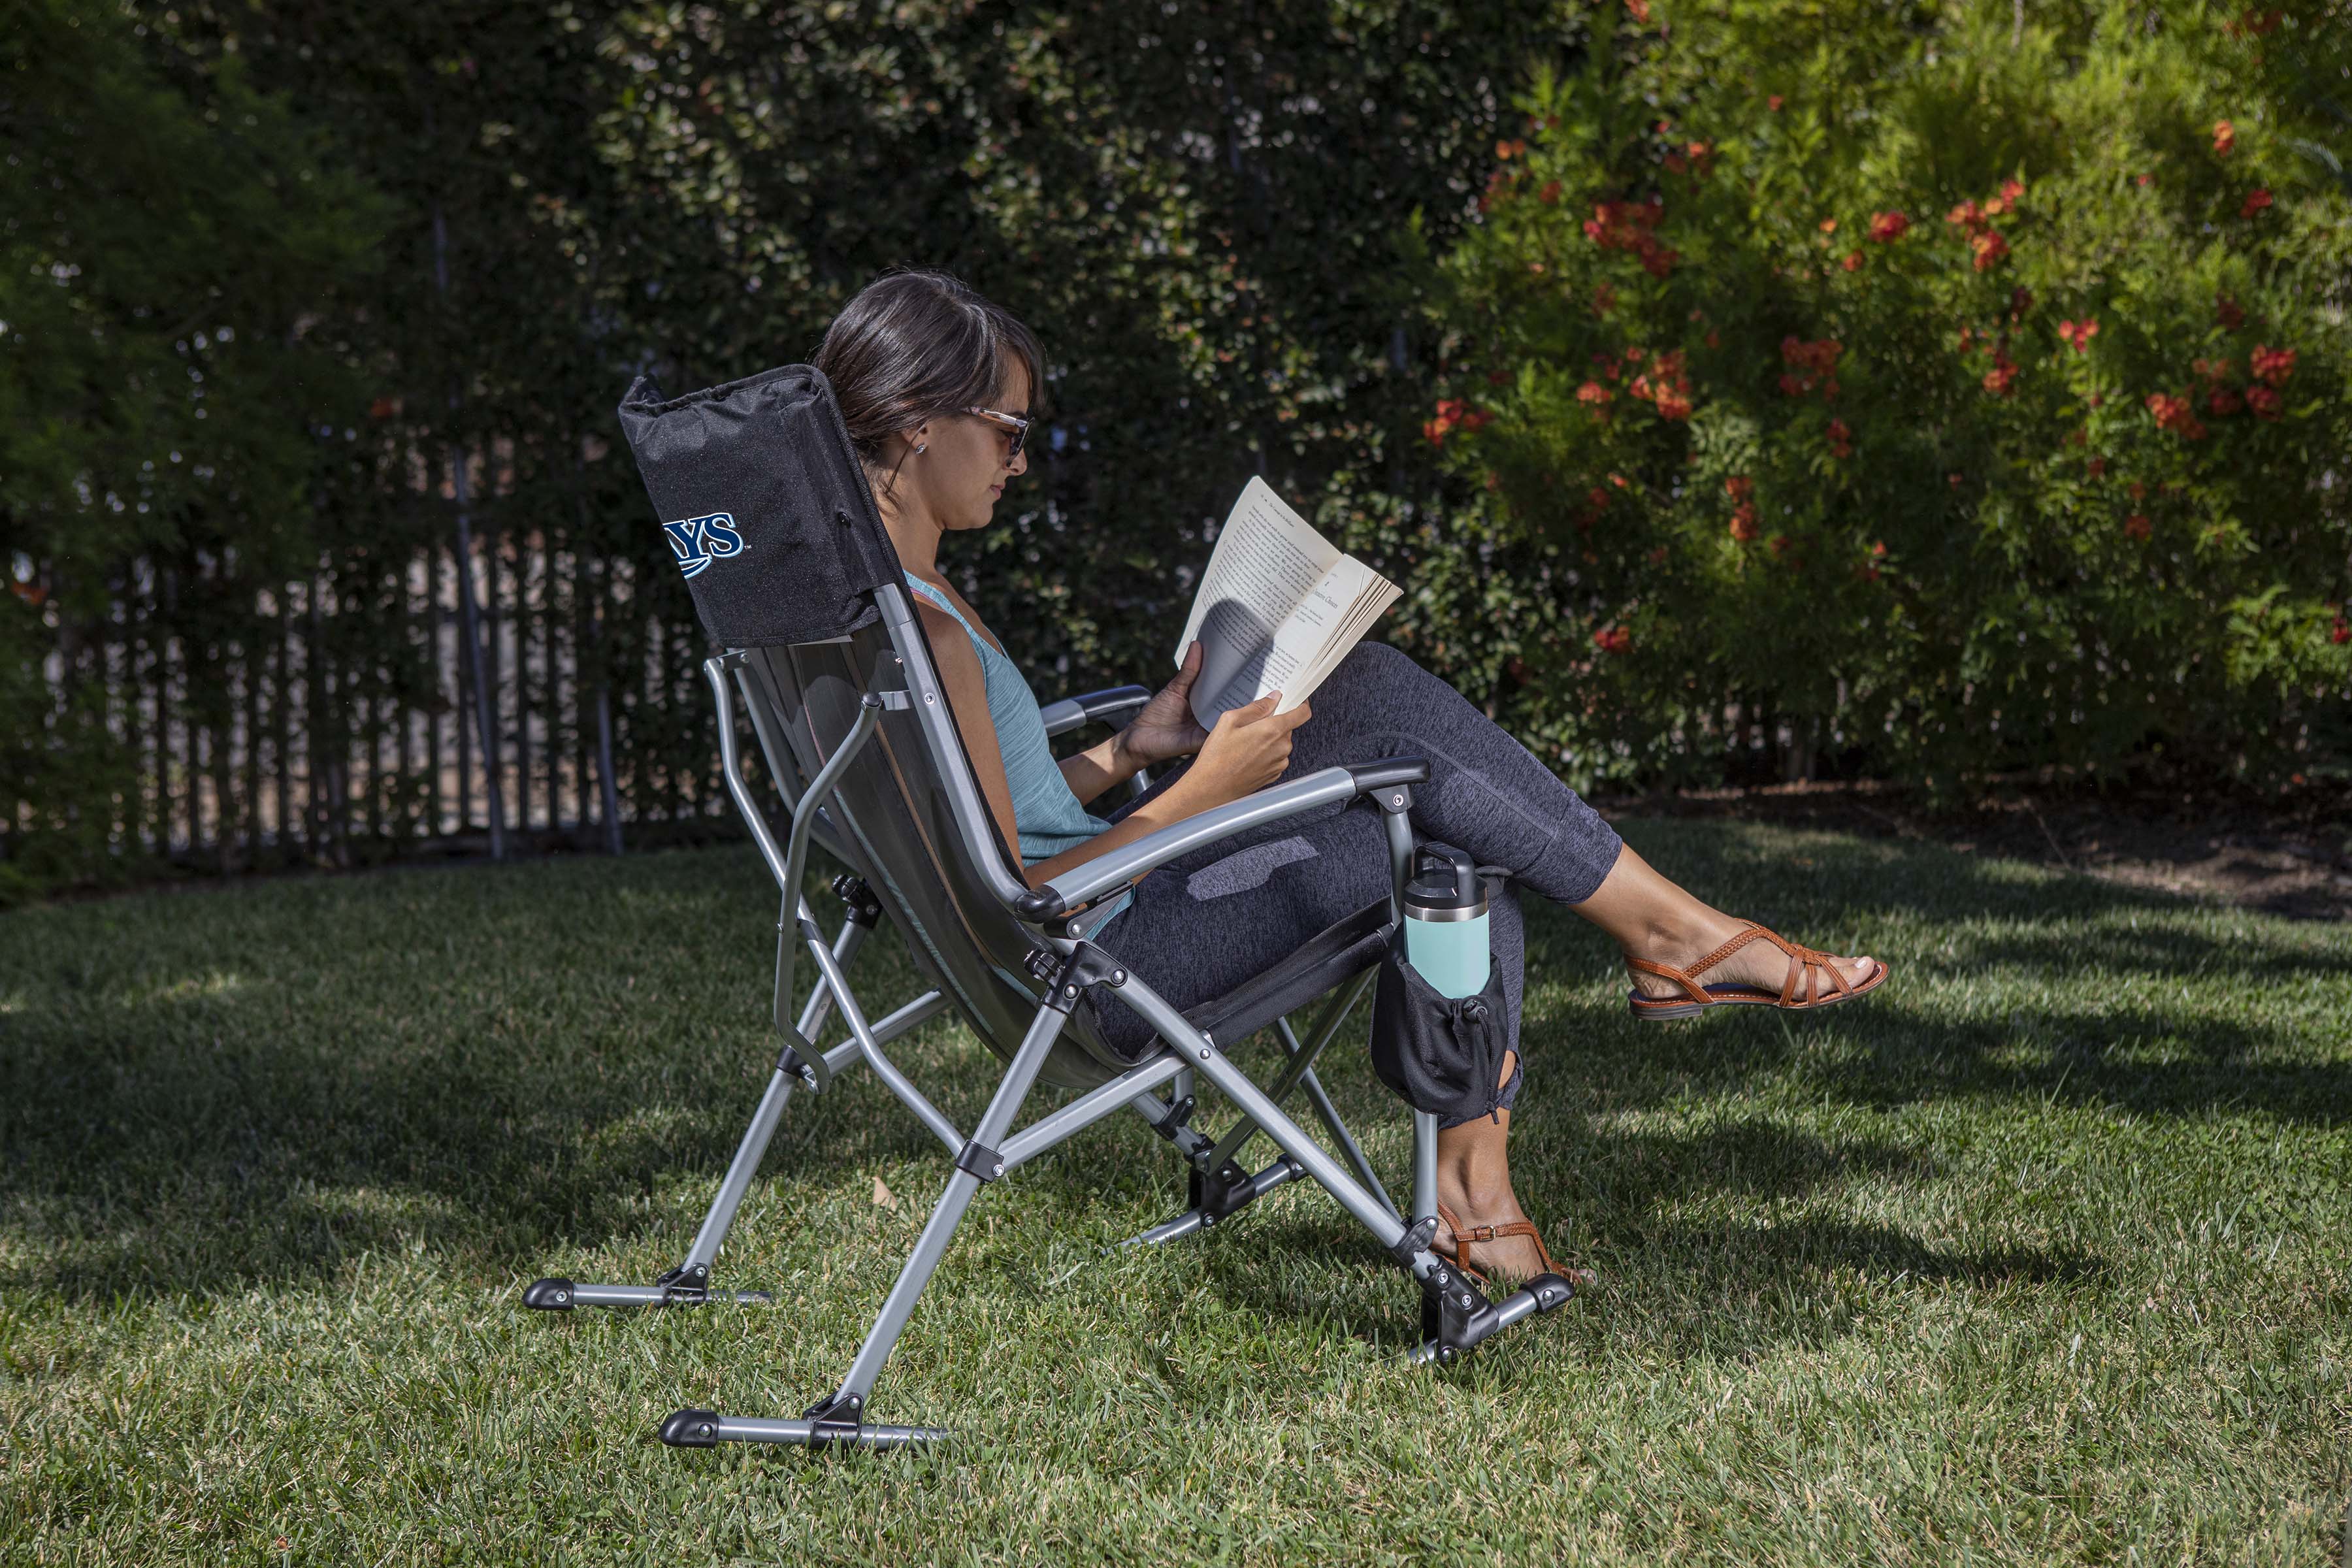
[(1586, 324)]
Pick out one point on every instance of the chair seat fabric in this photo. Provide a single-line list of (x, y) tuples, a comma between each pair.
[(1330, 959)]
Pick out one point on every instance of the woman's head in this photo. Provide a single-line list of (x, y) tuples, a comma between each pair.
[(908, 359)]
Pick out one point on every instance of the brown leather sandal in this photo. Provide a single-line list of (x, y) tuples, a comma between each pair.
[(1805, 964), (1465, 1237)]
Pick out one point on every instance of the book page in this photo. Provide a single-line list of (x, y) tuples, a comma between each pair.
[(1268, 560)]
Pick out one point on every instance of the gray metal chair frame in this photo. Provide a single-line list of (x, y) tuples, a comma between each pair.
[(857, 736)]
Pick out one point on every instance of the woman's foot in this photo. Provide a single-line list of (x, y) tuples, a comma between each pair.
[(1760, 963)]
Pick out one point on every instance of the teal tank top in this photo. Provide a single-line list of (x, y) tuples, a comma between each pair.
[(1046, 816)]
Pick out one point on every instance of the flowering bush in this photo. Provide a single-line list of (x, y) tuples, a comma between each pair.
[(1970, 395)]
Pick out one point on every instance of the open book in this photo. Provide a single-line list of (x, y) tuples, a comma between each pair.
[(1278, 610)]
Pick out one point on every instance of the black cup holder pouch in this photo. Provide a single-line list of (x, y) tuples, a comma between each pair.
[(1437, 1053)]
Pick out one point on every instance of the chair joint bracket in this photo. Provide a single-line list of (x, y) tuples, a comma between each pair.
[(1086, 966), (1221, 1193), (1414, 1241), (865, 909), (685, 1286), (1171, 1125), (977, 1159), (836, 1416), (810, 1069)]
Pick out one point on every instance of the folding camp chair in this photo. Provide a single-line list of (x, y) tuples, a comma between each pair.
[(832, 668)]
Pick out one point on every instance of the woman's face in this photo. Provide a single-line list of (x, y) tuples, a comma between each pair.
[(963, 469)]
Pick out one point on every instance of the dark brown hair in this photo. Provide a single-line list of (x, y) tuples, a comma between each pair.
[(917, 344)]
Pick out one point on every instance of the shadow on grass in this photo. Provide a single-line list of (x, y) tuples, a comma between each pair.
[(501, 1066)]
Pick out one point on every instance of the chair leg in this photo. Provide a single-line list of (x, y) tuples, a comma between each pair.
[(840, 1417), (688, 1283), (1219, 1187), (1456, 1316)]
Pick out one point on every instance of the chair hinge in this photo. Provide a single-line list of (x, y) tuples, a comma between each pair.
[(865, 909), (683, 1285), (1170, 1125), (810, 1069), (1086, 966), (977, 1159), (1415, 1240)]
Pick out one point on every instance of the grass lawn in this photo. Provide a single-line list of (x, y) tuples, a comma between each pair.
[(2041, 1256)]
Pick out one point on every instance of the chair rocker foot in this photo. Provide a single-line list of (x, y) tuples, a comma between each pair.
[(693, 1428), (1220, 1195), (554, 1295), (1456, 1316)]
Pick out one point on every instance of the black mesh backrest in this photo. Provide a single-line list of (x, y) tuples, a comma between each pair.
[(896, 815), (763, 504)]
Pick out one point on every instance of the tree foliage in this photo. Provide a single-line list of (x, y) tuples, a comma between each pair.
[(1952, 387)]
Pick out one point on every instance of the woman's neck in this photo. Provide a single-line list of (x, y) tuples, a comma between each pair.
[(913, 535)]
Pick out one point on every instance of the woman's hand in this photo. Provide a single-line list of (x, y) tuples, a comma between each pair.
[(1246, 752), (1164, 727)]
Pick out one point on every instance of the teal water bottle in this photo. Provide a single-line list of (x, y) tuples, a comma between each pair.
[(1446, 921)]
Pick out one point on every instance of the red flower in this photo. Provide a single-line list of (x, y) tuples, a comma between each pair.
[(2078, 333), (2000, 380), (1989, 246), (2010, 190), (1614, 639), (1781, 545), (1853, 262), (2138, 489), (1841, 440), (1743, 522), (1740, 487), (2137, 526), (1672, 405), (1549, 194), (1968, 215), (2143, 179), (1475, 418), (1594, 395), (2173, 413), (2097, 466), (2343, 632), (2228, 311), (1887, 228), (2265, 402), (1449, 414), (1639, 10), (1597, 499), (1773, 103), (383, 408), (2224, 403), (2225, 137), (2274, 365), (1509, 149), (2256, 200)]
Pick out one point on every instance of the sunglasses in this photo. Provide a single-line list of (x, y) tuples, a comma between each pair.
[(1015, 428)]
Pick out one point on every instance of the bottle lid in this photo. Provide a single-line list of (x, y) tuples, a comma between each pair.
[(1445, 879)]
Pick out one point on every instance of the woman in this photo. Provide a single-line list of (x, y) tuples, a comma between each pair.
[(935, 385)]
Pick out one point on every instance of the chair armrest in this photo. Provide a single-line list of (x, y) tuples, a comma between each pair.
[(1072, 711), (1083, 884)]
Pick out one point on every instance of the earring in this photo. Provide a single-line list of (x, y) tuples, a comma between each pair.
[(921, 446)]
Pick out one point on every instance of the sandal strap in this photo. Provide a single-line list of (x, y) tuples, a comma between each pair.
[(1691, 987), (1466, 1237)]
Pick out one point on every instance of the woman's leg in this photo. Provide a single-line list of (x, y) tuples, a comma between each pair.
[(1489, 793)]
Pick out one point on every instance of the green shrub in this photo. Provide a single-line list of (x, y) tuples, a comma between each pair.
[(1948, 388)]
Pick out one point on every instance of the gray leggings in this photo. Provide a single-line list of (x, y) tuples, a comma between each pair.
[(1205, 924)]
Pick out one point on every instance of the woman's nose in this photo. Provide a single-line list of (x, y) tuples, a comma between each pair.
[(1020, 463)]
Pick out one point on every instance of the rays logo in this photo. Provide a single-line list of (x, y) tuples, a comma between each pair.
[(699, 541)]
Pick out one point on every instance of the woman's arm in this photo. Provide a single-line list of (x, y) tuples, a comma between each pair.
[(967, 688), (1099, 766)]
